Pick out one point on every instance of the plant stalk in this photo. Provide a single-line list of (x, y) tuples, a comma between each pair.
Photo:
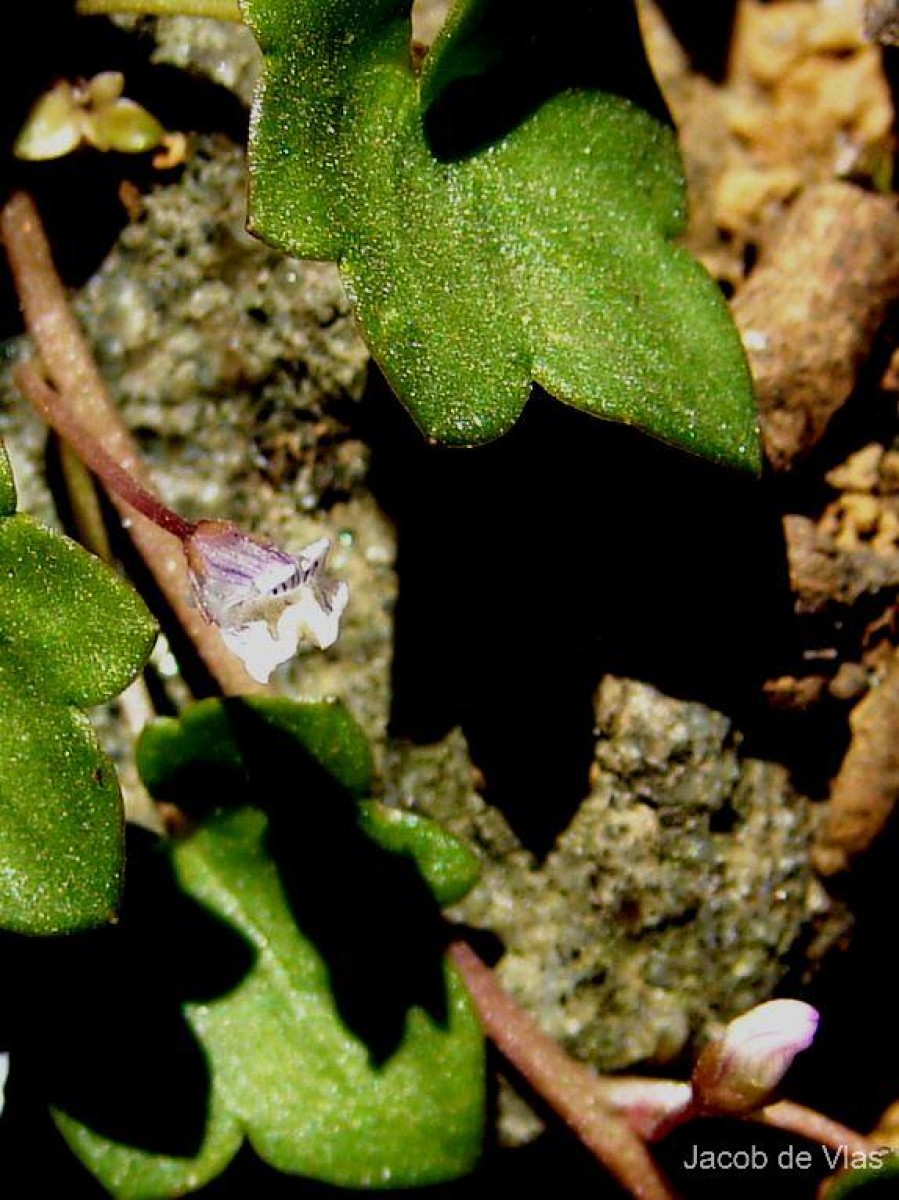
[(568, 1087), (116, 479), (597, 1107), (796, 1118), (85, 502), (135, 702), (70, 365)]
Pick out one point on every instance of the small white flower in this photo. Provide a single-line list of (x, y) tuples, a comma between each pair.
[(263, 600), (739, 1072)]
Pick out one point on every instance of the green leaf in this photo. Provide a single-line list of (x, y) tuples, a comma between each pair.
[(173, 754), (448, 867), (61, 828), (142, 1175), (881, 1166), (71, 634), (176, 758), (288, 1071), (498, 229)]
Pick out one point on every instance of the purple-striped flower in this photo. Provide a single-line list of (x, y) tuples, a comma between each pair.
[(263, 600)]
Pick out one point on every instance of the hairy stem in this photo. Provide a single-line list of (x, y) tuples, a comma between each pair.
[(570, 1089), (67, 358), (222, 10)]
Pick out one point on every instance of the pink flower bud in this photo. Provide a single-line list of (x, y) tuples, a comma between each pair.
[(739, 1072), (263, 600)]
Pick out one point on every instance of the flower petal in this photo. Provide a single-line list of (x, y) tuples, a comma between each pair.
[(264, 600), (230, 571), (257, 649)]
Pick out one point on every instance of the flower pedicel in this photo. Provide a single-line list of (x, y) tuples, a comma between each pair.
[(263, 600)]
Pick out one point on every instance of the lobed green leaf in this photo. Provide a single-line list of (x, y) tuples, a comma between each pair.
[(448, 867), (288, 1071), (534, 246), (206, 741)]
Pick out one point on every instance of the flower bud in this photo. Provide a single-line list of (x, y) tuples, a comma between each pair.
[(739, 1072), (94, 112), (263, 600)]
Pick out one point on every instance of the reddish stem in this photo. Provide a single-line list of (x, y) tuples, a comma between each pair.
[(570, 1088), (71, 368), (795, 1118), (612, 1115), (52, 408), (656, 1107)]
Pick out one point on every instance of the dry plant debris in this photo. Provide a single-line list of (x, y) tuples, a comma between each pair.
[(810, 311)]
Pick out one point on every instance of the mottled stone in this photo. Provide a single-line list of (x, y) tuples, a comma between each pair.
[(223, 51), (231, 362), (203, 332), (675, 898)]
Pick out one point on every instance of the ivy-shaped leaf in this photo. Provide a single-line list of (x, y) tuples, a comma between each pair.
[(72, 634), (309, 890), (504, 218)]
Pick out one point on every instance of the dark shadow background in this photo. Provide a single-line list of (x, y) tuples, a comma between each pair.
[(369, 913), (94, 1020), (569, 548), (545, 50)]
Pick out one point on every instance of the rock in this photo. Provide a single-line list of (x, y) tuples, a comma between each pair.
[(675, 898)]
